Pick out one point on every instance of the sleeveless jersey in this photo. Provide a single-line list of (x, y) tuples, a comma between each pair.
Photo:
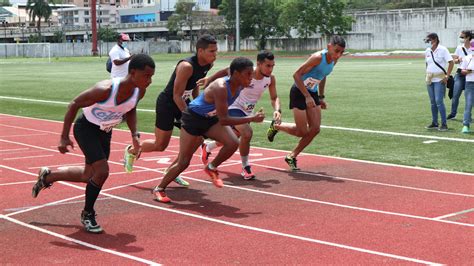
[(203, 108), (249, 96), (312, 79), (198, 73), (108, 114)]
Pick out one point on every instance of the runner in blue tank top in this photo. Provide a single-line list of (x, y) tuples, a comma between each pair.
[(307, 98), (207, 115)]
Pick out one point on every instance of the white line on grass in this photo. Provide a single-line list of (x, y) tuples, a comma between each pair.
[(79, 242), (267, 121)]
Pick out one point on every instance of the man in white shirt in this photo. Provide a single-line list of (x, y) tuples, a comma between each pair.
[(120, 56)]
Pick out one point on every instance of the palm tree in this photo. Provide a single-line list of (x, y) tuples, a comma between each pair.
[(39, 9)]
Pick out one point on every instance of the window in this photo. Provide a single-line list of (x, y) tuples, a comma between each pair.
[(86, 20), (86, 12)]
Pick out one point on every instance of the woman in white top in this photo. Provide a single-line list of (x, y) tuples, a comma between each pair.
[(437, 57), (468, 70), (462, 51)]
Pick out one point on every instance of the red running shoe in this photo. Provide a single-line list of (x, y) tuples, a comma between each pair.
[(214, 175), (204, 154), (160, 195)]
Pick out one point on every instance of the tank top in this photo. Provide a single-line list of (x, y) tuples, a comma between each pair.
[(249, 96), (199, 72), (312, 79), (107, 114), (203, 108)]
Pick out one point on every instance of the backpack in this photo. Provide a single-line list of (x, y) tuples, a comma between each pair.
[(108, 65)]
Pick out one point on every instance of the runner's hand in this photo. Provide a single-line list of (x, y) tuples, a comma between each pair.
[(277, 117), (310, 102), (259, 116), (63, 143), (202, 82), (323, 104)]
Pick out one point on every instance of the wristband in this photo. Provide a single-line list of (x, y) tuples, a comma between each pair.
[(321, 97), (136, 134)]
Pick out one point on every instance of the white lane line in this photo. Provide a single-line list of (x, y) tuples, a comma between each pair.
[(17, 183), (268, 121), (454, 214), (257, 229), (370, 182), (57, 165), (268, 149), (27, 157), (13, 150), (272, 232), (79, 242), (24, 135), (283, 196), (58, 204)]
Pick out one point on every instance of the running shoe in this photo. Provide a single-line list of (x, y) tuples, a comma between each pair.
[(41, 184), (128, 159), (272, 131), (204, 154), (89, 222), (180, 181), (291, 161), (214, 175), (160, 195), (247, 173), (466, 130), (432, 126), (443, 127)]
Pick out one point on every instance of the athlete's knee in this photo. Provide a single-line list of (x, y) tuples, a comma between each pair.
[(301, 132), (100, 175), (246, 134), (313, 131), (160, 145)]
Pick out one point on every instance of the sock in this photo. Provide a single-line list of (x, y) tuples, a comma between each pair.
[(92, 192), (245, 161), (211, 166), (210, 146)]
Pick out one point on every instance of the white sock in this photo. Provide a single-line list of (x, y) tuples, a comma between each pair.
[(211, 166), (245, 160), (210, 146)]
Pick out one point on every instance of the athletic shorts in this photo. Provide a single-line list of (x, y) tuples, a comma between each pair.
[(297, 99), (196, 124), (167, 113), (236, 113), (94, 143)]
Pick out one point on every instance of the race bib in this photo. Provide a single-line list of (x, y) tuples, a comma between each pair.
[(310, 83), (249, 106), (187, 94), (107, 127)]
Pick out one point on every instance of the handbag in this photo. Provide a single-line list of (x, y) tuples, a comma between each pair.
[(108, 65), (450, 82)]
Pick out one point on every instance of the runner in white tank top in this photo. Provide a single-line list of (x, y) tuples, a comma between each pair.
[(104, 107), (245, 104)]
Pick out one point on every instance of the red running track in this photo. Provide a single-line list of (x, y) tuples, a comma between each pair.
[(336, 211)]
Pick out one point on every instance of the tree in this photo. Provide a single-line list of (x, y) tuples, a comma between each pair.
[(258, 19), (107, 35), (38, 9), (185, 16), (315, 16), (5, 3), (58, 37)]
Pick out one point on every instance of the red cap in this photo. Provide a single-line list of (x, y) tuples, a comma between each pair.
[(124, 37)]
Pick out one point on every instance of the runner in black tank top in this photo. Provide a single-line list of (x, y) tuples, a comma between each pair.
[(174, 98)]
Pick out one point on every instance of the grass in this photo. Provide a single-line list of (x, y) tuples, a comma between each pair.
[(372, 94)]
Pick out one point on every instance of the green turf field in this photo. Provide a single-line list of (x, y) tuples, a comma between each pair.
[(364, 95)]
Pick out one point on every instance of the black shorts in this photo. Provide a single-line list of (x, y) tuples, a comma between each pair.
[(297, 99), (166, 112), (195, 124), (94, 143)]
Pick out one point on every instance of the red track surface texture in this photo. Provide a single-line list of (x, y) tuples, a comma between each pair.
[(335, 211)]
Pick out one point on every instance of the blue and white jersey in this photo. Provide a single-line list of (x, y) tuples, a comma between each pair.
[(203, 108), (108, 114), (249, 96), (312, 79)]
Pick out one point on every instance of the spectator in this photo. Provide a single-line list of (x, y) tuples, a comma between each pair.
[(467, 66), (120, 56), (462, 51), (437, 57)]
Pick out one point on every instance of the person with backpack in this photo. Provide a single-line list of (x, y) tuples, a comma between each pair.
[(120, 57)]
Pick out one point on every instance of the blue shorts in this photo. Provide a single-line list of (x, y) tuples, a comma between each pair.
[(236, 113)]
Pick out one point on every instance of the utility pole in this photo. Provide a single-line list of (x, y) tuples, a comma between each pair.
[(445, 14), (94, 27), (237, 26)]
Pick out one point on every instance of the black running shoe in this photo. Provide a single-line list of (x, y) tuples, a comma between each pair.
[(40, 183), (90, 225), (272, 131), (247, 173), (432, 126), (291, 161)]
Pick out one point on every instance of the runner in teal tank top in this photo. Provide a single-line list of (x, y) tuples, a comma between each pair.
[(307, 98)]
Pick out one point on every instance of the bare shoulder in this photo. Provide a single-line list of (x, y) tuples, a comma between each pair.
[(103, 85)]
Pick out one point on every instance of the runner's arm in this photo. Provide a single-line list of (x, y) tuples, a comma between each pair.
[(184, 71)]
